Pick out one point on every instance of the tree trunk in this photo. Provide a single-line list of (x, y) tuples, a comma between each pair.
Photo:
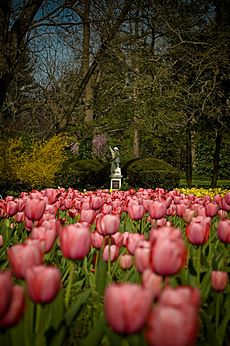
[(136, 139), (188, 172), (88, 94), (216, 158), (79, 91), (12, 40)]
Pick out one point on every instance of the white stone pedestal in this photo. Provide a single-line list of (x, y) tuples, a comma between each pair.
[(115, 182)]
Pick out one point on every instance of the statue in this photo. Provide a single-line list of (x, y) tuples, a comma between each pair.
[(115, 169)]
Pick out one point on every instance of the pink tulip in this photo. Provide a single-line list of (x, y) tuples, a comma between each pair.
[(72, 212), (110, 252), (45, 235), (53, 195), (11, 208), (224, 204), (198, 230), (43, 283), (118, 238), (96, 240), (171, 326), (19, 217), (52, 224), (125, 261), (85, 205), (95, 202), (211, 209), (223, 214), (68, 203), (157, 210), (133, 241), (168, 232), (146, 203), (142, 256), (5, 291), (223, 230), (125, 238), (180, 296), (126, 307), (219, 280), (180, 208), (106, 209), (15, 309), (176, 307), (20, 203), (75, 241), (136, 212), (189, 214), (167, 256), (227, 197), (152, 282), (22, 257), (87, 215), (34, 208), (108, 224)]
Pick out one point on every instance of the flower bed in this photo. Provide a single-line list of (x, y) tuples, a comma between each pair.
[(145, 267)]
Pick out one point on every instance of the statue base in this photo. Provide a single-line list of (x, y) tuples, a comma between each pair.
[(115, 182)]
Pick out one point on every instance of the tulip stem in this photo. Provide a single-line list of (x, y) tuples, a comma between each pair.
[(217, 317), (96, 265), (109, 261), (198, 265), (69, 285), (38, 318)]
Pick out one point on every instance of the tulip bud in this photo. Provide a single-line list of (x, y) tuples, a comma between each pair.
[(15, 309), (43, 283), (125, 261), (5, 291), (219, 280), (198, 230), (136, 212), (167, 256), (23, 256), (223, 230), (157, 210), (34, 208), (75, 241), (126, 307), (108, 224)]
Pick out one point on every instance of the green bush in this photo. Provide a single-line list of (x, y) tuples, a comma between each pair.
[(83, 174), (152, 173)]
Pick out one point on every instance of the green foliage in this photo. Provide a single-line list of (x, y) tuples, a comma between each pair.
[(83, 174), (85, 320), (152, 173), (26, 167), (203, 163)]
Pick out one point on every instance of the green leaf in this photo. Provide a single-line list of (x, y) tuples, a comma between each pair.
[(56, 309), (221, 331), (101, 272), (96, 334), (191, 267), (56, 337), (114, 339), (205, 285), (76, 306), (209, 328)]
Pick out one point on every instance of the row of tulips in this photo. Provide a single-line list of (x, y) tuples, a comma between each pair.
[(157, 259)]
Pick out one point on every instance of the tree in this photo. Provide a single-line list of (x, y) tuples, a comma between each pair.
[(13, 38)]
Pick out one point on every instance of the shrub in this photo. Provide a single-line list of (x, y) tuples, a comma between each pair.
[(35, 166), (152, 173), (83, 174)]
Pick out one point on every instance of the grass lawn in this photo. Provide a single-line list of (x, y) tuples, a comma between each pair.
[(205, 183)]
